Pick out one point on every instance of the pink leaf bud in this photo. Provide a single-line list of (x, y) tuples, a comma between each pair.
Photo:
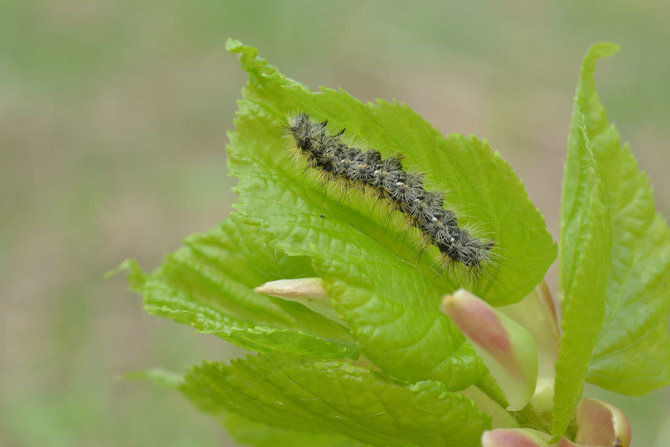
[(514, 437), (601, 424), (507, 349), (306, 291)]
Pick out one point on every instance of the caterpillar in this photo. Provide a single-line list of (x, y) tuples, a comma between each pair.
[(403, 190)]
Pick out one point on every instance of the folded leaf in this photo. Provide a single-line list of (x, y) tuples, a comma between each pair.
[(506, 347), (339, 399), (633, 352), (601, 423), (584, 263)]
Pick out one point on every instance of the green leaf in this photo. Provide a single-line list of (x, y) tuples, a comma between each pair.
[(337, 398), (386, 291), (257, 434), (633, 352), (208, 284), (241, 429), (584, 264)]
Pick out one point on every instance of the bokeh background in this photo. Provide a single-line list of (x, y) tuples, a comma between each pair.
[(113, 119)]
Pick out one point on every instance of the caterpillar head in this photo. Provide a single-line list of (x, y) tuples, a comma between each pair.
[(464, 248)]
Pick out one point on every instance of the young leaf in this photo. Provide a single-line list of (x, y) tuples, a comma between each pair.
[(584, 263), (337, 398), (506, 347), (632, 355), (371, 264), (208, 285), (241, 429)]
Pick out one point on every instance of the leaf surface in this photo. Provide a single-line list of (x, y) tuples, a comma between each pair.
[(208, 284), (337, 398), (584, 264), (632, 355), (381, 281), (257, 434)]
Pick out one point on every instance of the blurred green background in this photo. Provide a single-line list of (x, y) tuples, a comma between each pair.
[(113, 119)]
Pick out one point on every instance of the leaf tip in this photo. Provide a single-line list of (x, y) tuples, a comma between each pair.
[(602, 50), (233, 45), (295, 289), (135, 274), (306, 291)]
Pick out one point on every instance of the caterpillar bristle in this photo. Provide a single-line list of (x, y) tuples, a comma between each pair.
[(367, 170)]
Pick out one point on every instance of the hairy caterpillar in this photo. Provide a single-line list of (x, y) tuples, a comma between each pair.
[(386, 176)]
